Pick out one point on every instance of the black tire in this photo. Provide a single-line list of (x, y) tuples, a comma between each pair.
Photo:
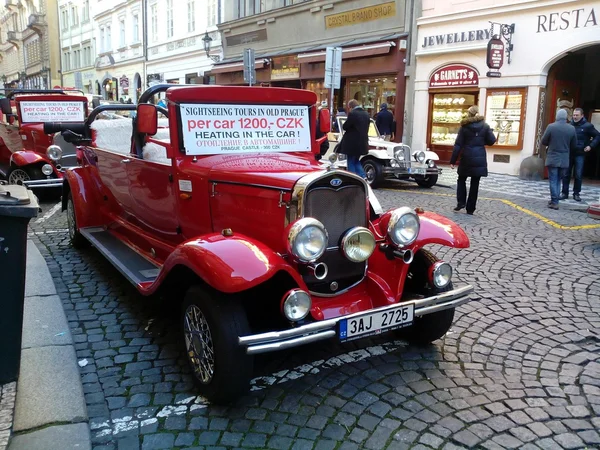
[(24, 174), (77, 239), (428, 328), (373, 170), (428, 181), (225, 320)]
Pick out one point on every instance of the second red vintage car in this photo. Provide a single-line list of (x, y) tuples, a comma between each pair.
[(222, 209), (28, 155)]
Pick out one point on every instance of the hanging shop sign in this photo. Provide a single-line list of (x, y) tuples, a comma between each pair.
[(495, 53), (124, 81), (285, 68), (454, 75)]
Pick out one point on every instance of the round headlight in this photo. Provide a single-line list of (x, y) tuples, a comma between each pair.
[(47, 169), (420, 156), (358, 244), (54, 152), (307, 239), (296, 305), (403, 227), (442, 274), (399, 153), (431, 163)]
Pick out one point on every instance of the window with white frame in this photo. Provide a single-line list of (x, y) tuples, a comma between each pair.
[(102, 40), (136, 28), (122, 32), (169, 18), (65, 19), (74, 16), (108, 39), (191, 9), (212, 13), (86, 11), (154, 22)]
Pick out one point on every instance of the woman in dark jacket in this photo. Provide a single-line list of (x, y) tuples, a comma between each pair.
[(473, 136)]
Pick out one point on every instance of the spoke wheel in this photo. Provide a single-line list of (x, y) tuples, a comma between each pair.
[(18, 176), (77, 239), (211, 324), (373, 170), (199, 344)]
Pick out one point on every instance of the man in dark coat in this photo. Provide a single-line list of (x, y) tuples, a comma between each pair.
[(355, 142), (561, 139), (588, 138), (473, 135), (385, 122)]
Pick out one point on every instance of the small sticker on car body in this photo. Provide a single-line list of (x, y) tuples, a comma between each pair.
[(185, 185)]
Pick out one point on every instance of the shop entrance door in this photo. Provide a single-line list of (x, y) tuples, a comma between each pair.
[(574, 82)]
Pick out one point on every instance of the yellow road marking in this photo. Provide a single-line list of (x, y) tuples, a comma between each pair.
[(547, 221)]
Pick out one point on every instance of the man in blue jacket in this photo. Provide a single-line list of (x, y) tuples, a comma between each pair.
[(588, 138), (385, 122)]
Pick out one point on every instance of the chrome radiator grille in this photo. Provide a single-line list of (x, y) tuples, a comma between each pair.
[(339, 208)]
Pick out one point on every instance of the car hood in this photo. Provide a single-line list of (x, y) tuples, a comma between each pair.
[(274, 170)]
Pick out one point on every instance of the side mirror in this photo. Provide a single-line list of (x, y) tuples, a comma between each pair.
[(5, 106), (324, 121), (147, 119)]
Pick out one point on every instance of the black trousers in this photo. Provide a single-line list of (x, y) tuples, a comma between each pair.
[(461, 192)]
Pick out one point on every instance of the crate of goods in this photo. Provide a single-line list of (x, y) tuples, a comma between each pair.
[(594, 211)]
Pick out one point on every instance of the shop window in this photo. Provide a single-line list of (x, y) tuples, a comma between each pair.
[(372, 92), (505, 112), (446, 113)]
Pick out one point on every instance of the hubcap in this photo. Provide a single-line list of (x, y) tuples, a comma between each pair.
[(199, 344), (370, 173), (18, 176)]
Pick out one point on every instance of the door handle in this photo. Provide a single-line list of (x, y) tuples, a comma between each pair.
[(125, 161)]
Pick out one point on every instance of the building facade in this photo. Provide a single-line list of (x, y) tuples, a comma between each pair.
[(554, 63), (290, 37), (120, 47), (78, 52), (29, 53), (176, 34)]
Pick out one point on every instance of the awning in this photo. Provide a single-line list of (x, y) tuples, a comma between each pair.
[(238, 66), (362, 51)]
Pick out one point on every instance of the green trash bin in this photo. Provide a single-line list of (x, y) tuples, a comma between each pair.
[(17, 206)]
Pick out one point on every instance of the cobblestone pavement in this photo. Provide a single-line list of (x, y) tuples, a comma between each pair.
[(520, 368), (7, 406)]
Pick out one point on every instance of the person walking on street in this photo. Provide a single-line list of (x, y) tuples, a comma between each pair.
[(474, 134), (355, 142), (588, 138), (385, 122), (561, 140)]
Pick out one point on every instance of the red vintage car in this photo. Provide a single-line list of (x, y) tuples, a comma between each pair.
[(28, 155), (223, 210)]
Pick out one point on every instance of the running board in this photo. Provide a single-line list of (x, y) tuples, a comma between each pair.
[(130, 263)]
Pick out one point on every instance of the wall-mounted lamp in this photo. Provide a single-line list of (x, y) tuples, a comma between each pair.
[(4, 78), (206, 40)]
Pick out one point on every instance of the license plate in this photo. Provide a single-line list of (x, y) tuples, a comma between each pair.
[(373, 323), (416, 171)]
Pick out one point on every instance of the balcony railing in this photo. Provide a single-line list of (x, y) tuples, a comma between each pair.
[(36, 20), (12, 36)]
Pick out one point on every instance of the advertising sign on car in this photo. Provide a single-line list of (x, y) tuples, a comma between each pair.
[(210, 129), (52, 111)]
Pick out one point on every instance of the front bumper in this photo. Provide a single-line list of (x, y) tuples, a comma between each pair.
[(47, 182), (411, 171), (327, 329)]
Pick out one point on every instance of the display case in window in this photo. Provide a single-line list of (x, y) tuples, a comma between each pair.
[(447, 110), (505, 112)]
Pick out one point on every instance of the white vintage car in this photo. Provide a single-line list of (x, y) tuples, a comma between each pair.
[(392, 160)]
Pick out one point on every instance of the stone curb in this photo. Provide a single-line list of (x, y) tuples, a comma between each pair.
[(50, 409)]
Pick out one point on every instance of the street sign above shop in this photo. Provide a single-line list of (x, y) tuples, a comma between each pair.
[(285, 68), (454, 75), (495, 53), (333, 67)]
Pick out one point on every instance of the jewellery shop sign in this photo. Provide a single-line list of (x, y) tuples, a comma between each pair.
[(454, 75)]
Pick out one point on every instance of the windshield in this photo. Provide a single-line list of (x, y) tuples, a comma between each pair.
[(373, 131), (211, 129)]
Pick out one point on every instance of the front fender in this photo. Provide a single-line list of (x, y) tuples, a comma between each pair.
[(229, 264), (431, 155), (25, 158), (436, 229), (379, 154), (78, 182)]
